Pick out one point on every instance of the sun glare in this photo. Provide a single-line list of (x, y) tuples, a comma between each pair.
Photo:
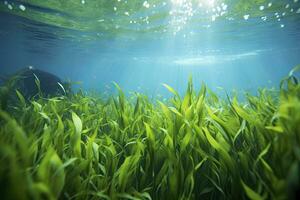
[(206, 3)]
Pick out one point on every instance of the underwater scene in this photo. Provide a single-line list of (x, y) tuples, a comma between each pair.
[(150, 99)]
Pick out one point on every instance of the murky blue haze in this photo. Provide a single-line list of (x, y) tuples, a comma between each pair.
[(235, 54)]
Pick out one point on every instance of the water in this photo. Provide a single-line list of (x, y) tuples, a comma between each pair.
[(57, 143), (236, 45)]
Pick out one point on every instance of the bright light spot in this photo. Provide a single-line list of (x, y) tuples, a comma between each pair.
[(23, 8), (264, 18), (281, 25), (287, 6), (210, 3), (224, 7), (269, 4), (9, 7), (83, 1), (283, 14), (177, 2), (146, 4), (295, 1), (292, 10), (246, 17), (126, 13), (213, 18), (5, 2), (115, 8), (205, 3), (261, 7)]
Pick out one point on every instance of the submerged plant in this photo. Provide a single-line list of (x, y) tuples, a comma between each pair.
[(193, 147)]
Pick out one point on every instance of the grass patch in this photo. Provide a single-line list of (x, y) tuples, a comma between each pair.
[(195, 147)]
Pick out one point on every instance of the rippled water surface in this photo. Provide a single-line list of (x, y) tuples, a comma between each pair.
[(233, 44)]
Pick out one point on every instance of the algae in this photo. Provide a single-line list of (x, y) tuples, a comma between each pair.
[(194, 147)]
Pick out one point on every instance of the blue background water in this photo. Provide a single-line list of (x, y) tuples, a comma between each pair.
[(243, 60)]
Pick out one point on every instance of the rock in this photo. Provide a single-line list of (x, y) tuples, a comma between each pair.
[(27, 82), (32, 83)]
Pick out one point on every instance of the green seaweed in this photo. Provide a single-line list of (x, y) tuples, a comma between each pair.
[(198, 146)]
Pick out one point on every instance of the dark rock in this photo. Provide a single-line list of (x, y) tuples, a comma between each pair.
[(32, 83), (29, 80)]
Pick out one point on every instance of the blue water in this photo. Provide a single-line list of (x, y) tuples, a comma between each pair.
[(244, 55)]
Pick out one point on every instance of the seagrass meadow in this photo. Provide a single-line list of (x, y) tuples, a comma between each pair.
[(197, 146)]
